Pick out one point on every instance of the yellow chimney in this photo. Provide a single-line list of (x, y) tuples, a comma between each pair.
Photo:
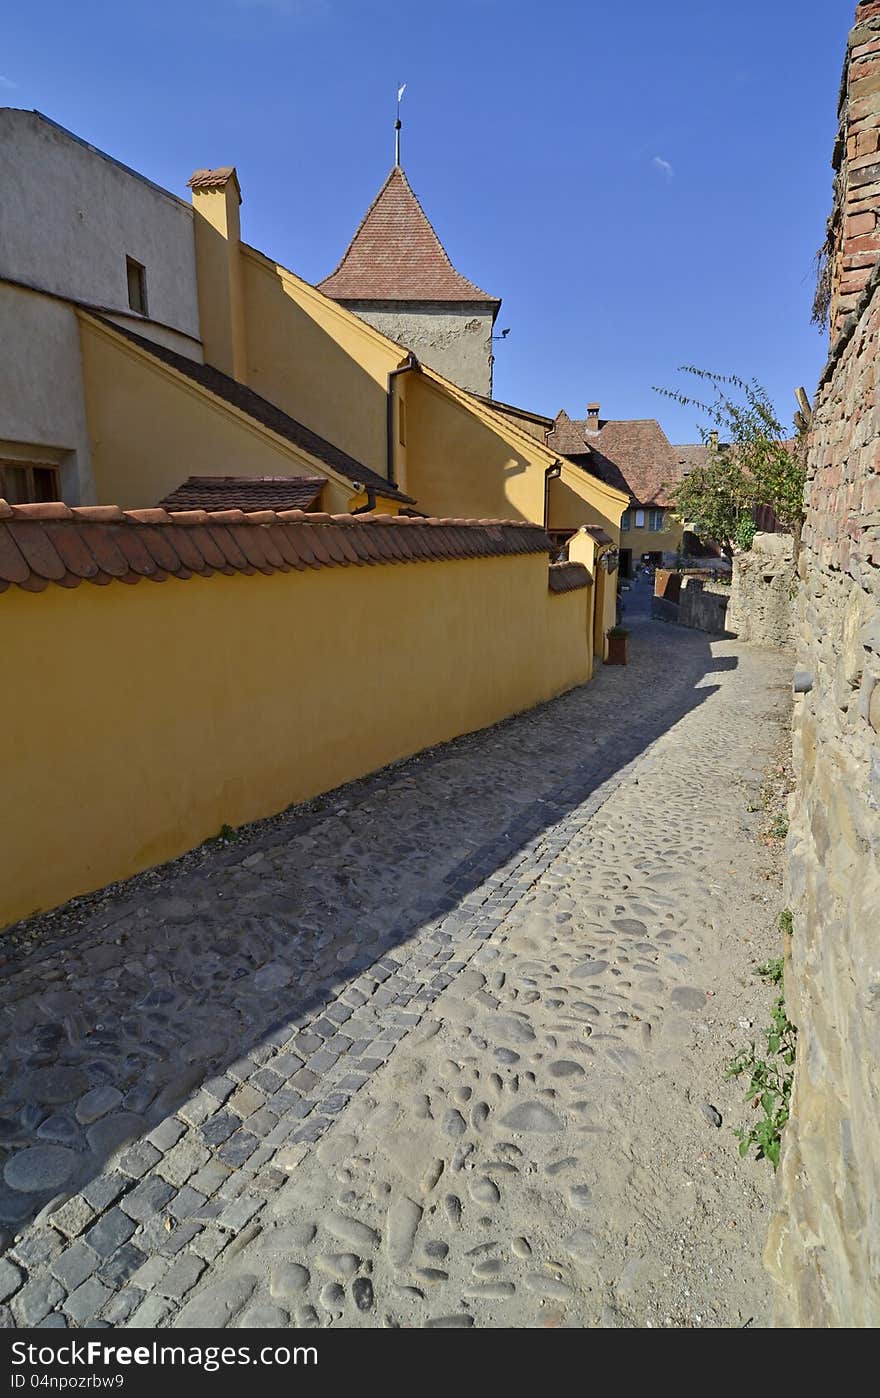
[(216, 198)]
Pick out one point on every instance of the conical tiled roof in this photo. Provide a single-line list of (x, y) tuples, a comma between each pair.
[(395, 255)]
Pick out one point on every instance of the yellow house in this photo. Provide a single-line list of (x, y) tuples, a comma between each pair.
[(450, 450), (635, 456), (168, 361)]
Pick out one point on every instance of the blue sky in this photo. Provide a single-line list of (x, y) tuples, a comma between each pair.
[(644, 184)]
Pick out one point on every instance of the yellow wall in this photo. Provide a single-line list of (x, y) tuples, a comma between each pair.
[(317, 362), (165, 711), (652, 541), (460, 466), (329, 369), (150, 429), (582, 548)]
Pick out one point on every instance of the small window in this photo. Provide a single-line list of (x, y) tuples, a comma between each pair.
[(655, 520), (137, 286), (25, 484), (640, 519), (626, 521)]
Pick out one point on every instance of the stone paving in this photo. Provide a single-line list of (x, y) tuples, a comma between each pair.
[(342, 1068)]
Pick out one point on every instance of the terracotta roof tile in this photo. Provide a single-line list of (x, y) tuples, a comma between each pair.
[(71, 546), (245, 493), (212, 179), (568, 577), (395, 255), (634, 456)]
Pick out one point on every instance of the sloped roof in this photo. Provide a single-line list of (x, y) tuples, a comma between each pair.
[(245, 493), (68, 546), (635, 455), (395, 255), (264, 412)]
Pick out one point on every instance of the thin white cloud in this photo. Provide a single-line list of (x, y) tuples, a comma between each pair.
[(7, 82), (663, 167)]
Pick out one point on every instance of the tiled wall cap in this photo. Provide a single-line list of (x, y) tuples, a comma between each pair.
[(53, 542)]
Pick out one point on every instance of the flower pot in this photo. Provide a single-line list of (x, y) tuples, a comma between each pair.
[(616, 648)]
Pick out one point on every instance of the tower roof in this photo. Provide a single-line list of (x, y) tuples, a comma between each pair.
[(395, 255)]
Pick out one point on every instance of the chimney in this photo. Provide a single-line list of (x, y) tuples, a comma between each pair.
[(853, 232), (216, 198), (592, 417)]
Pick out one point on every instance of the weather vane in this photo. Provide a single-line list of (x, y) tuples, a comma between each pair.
[(400, 91)]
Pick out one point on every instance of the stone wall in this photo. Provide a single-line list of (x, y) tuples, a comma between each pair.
[(454, 338), (824, 1245), (762, 593), (703, 606)]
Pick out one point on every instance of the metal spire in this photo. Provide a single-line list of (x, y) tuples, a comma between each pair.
[(400, 91)]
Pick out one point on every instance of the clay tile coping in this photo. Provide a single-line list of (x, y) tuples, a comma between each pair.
[(568, 577), (100, 544)]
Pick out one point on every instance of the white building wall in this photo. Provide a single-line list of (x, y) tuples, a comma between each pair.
[(41, 389), (69, 217)]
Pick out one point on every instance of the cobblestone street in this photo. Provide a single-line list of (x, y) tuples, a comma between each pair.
[(438, 1050)]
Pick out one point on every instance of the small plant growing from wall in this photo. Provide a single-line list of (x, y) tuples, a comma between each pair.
[(770, 1074), (753, 460)]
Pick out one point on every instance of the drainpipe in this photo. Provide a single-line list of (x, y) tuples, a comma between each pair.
[(552, 473), (371, 498), (409, 363)]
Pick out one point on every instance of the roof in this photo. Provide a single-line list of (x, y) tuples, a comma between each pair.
[(395, 255), (245, 493), (501, 407), (98, 544), (634, 455), (568, 577), (264, 412), (212, 179)]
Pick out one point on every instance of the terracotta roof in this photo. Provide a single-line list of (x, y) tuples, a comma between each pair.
[(212, 179), (264, 412), (601, 536), (568, 577), (633, 455), (245, 493), (395, 255), (47, 543)]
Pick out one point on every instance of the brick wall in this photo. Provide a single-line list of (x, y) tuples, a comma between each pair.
[(824, 1245)]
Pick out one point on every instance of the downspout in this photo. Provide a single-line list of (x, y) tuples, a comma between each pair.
[(409, 363), (371, 498), (552, 473)]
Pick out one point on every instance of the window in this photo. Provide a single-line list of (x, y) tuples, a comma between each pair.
[(640, 519), (137, 285), (655, 520), (626, 521), (28, 484)]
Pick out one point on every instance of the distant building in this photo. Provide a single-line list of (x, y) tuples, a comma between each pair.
[(397, 275), (635, 456)]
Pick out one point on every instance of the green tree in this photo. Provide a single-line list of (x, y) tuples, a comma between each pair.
[(752, 461)]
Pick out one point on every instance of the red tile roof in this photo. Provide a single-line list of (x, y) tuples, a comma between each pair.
[(47, 543), (212, 179), (633, 455), (245, 493), (568, 577), (395, 255)]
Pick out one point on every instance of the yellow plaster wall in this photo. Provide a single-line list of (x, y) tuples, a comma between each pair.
[(317, 362), (460, 466), (652, 540), (149, 430), (138, 720), (576, 499)]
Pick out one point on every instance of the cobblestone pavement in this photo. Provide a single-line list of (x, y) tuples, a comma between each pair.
[(429, 1053)]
